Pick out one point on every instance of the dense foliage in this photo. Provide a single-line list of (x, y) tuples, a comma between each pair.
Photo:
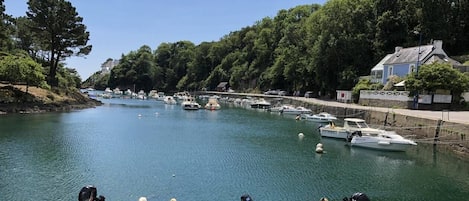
[(21, 68), (306, 48), (50, 32), (437, 76)]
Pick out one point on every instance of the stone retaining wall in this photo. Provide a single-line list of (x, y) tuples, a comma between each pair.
[(453, 137)]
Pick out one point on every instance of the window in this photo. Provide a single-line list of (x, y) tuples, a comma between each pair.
[(412, 68), (390, 71), (379, 74)]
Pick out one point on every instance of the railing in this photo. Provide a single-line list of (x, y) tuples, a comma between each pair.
[(385, 95)]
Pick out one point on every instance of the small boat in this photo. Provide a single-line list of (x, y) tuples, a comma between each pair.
[(350, 125), (260, 104), (322, 117), (189, 103), (169, 100), (212, 104), (290, 109), (385, 141)]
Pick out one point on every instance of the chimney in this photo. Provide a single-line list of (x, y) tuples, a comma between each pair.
[(438, 45), (397, 49)]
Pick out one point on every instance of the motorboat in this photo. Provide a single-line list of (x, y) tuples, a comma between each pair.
[(350, 125), (290, 109), (322, 117), (189, 103), (385, 141), (260, 104), (212, 103), (181, 96), (169, 100)]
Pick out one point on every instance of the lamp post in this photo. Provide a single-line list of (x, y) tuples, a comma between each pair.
[(416, 98)]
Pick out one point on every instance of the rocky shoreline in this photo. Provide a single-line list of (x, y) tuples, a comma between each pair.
[(25, 100)]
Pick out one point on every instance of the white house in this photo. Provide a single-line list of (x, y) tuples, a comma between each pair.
[(107, 66)]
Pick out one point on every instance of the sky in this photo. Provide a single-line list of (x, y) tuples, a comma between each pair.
[(119, 26)]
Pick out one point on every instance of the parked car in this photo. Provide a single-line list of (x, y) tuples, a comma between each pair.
[(282, 93), (309, 94), (271, 92)]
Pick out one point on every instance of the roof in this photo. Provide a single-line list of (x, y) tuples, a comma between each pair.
[(409, 55), (222, 84), (400, 84), (380, 66), (442, 59)]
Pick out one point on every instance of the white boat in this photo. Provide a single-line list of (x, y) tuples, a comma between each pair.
[(290, 109), (350, 125), (260, 104), (142, 95), (189, 103), (181, 96), (322, 117), (212, 104), (169, 100), (385, 141)]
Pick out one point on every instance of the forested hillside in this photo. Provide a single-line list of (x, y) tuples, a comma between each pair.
[(306, 48)]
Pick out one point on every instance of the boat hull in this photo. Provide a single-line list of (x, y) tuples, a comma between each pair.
[(333, 133), (381, 144), (190, 107)]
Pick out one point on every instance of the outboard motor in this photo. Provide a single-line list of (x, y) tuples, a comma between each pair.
[(89, 193), (355, 133), (357, 197), (246, 197)]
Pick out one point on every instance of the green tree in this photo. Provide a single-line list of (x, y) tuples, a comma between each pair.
[(437, 76), (60, 30), (363, 84), (342, 32), (21, 68), (6, 28)]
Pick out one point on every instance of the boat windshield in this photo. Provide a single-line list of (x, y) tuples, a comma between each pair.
[(362, 125), (358, 125)]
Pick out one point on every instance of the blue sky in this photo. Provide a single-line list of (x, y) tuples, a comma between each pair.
[(119, 26)]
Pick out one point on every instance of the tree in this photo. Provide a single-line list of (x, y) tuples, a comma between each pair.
[(21, 68), (5, 29), (436, 76), (59, 30)]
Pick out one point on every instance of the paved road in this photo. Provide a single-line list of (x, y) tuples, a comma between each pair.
[(449, 116)]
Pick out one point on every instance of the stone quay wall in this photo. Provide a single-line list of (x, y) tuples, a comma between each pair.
[(448, 136)]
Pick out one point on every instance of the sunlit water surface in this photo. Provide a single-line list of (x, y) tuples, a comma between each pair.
[(131, 148)]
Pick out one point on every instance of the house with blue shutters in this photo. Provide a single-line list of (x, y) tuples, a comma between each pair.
[(405, 61)]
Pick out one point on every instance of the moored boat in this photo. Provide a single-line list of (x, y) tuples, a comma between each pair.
[(212, 104), (290, 109), (385, 141), (260, 104), (189, 103), (322, 117), (350, 125), (169, 100)]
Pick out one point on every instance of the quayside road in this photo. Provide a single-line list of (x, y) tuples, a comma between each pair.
[(461, 117)]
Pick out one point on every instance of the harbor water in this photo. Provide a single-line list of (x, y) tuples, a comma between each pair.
[(132, 148)]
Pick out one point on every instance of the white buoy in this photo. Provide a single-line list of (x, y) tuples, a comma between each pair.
[(319, 145), (174, 175), (173, 199), (139, 115), (319, 148), (142, 199), (301, 135)]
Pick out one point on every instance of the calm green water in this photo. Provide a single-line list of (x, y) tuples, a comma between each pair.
[(131, 148)]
